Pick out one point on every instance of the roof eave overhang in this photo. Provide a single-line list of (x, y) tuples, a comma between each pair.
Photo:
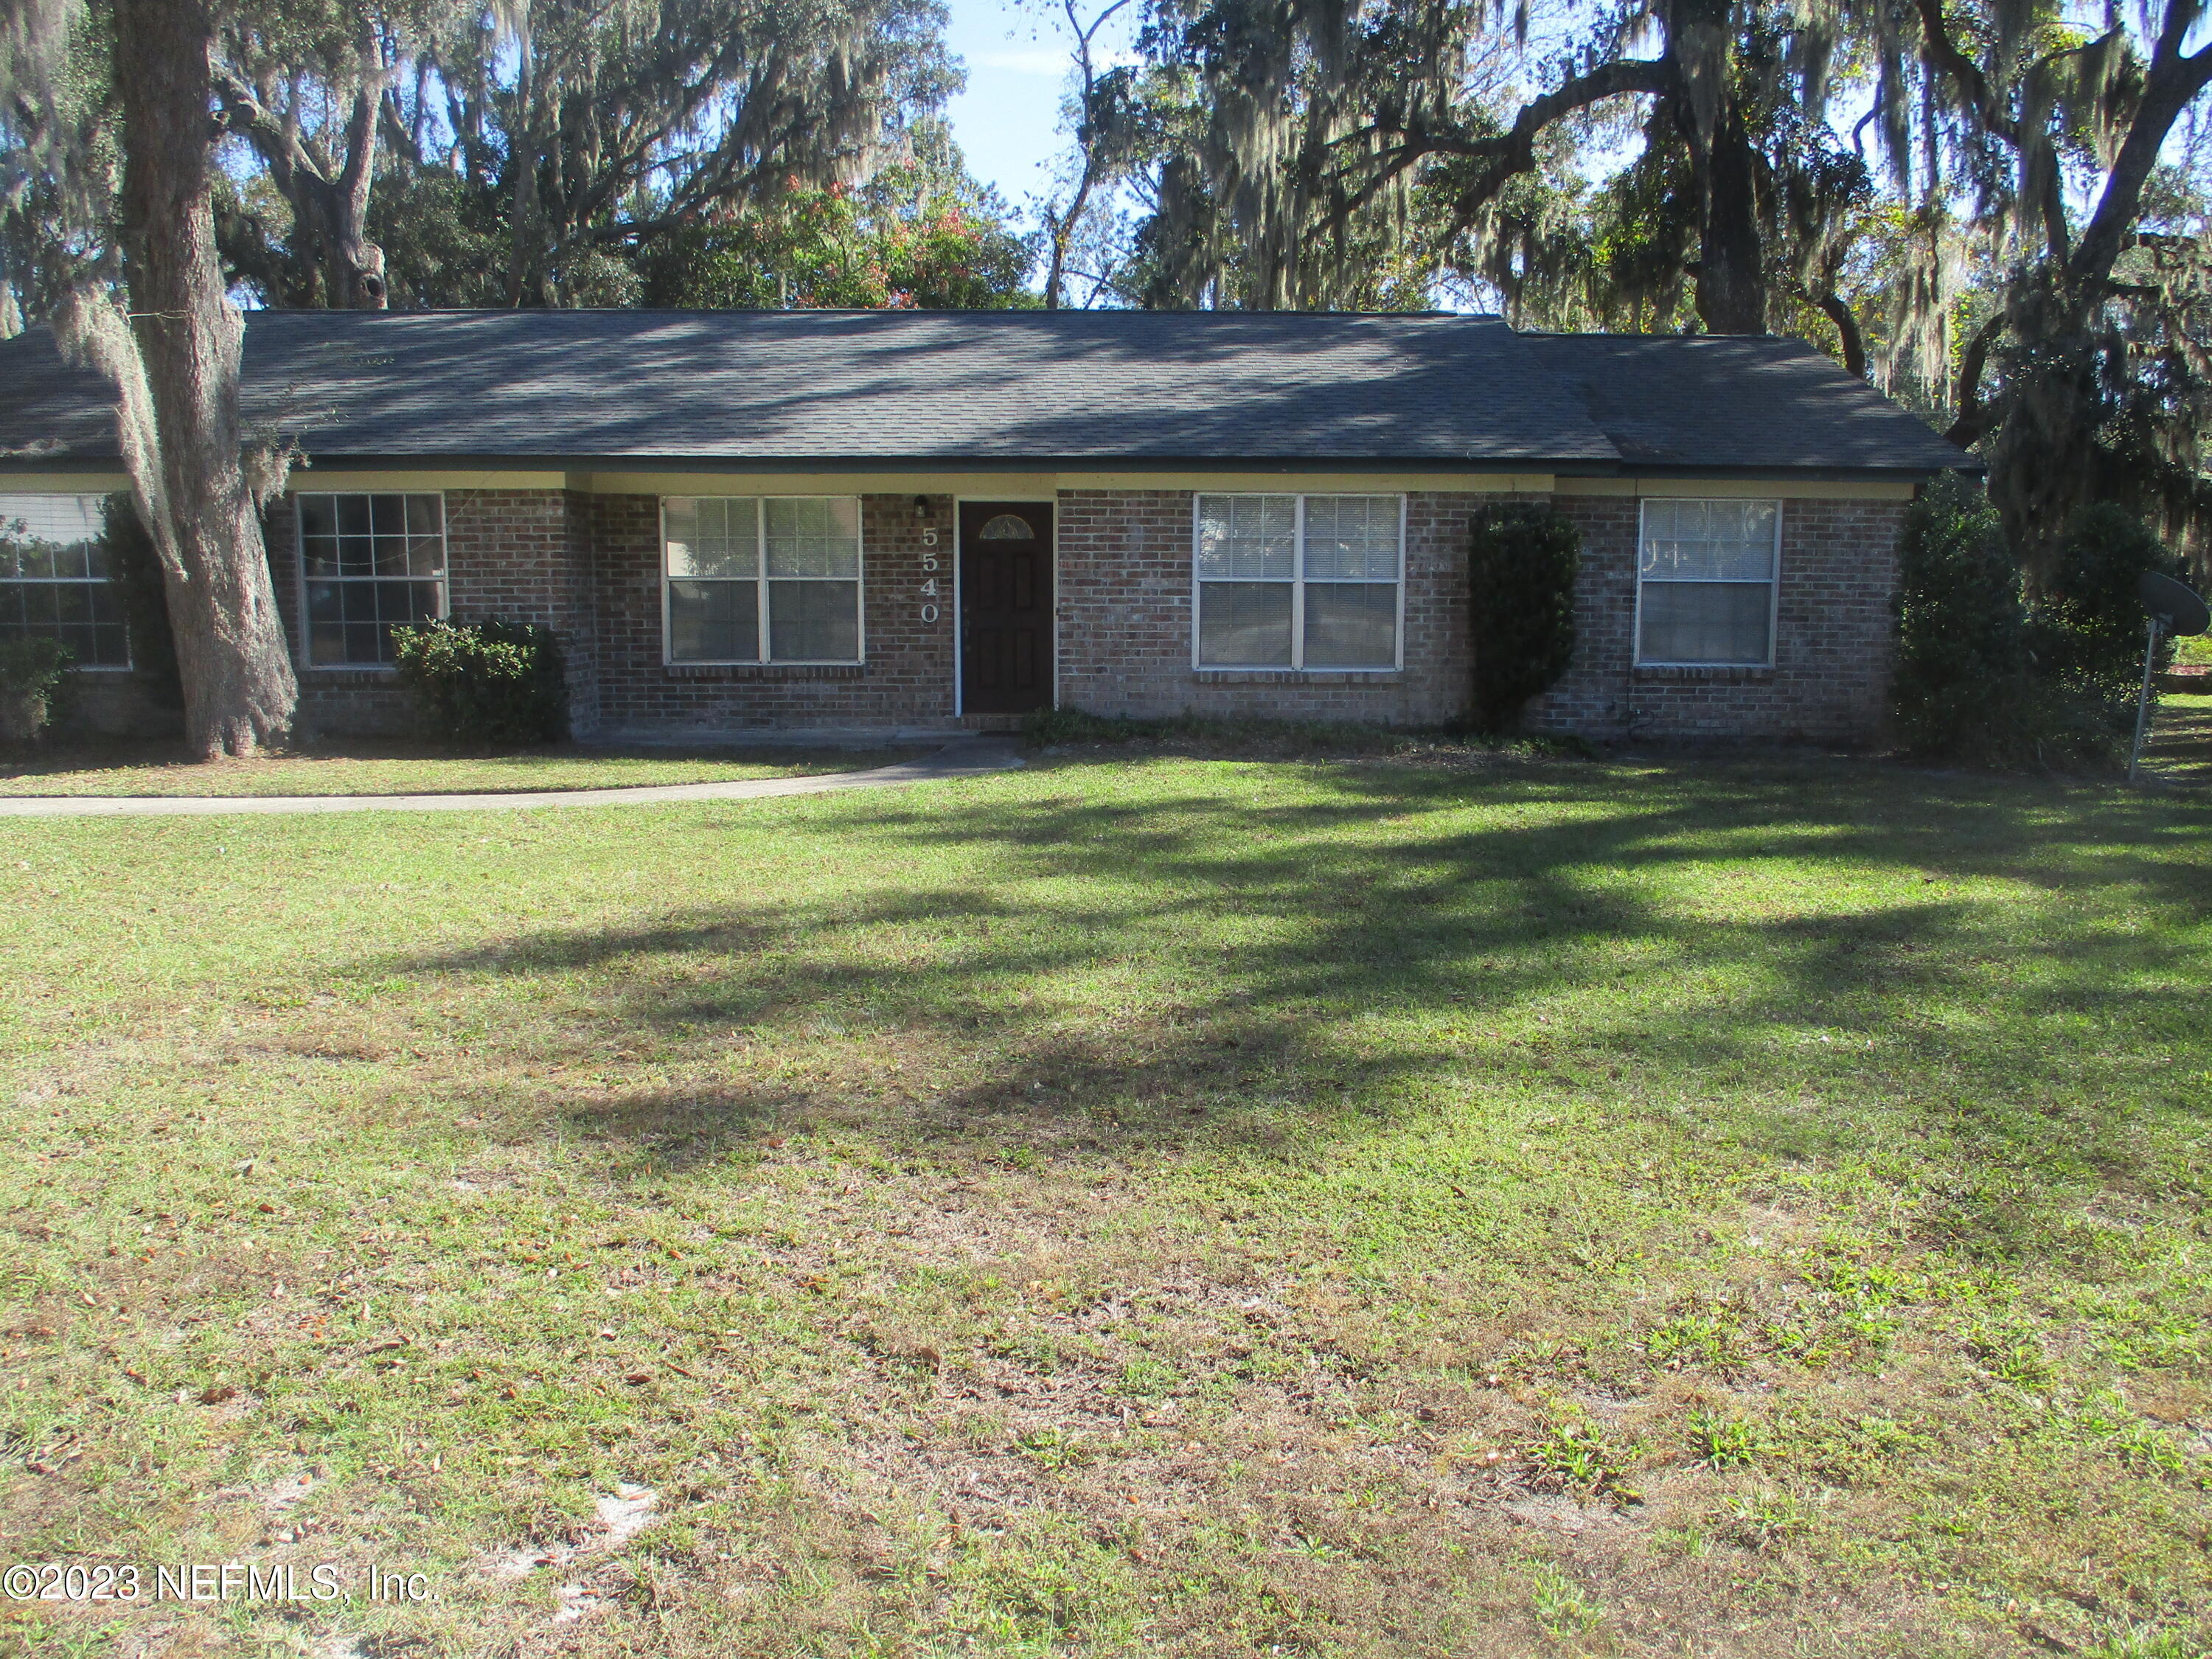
[(1578, 467)]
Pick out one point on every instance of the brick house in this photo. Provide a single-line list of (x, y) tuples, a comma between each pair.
[(905, 521)]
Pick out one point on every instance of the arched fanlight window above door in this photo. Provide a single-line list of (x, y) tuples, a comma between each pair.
[(1006, 527)]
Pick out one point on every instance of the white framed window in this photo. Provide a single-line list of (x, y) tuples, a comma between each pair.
[(1705, 582), (367, 564), (760, 579), (55, 583), (1298, 581)]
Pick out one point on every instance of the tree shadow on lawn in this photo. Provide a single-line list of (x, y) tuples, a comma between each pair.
[(1687, 944)]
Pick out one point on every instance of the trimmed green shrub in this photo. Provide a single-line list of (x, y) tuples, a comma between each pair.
[(1982, 677), (1962, 661), (1520, 577), (31, 668), (2088, 628), (485, 684)]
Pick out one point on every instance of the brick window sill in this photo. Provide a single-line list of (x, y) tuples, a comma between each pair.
[(1717, 675), (754, 671), (353, 674), (1297, 676)]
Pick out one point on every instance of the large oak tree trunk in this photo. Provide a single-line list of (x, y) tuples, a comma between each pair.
[(238, 688), (1732, 254)]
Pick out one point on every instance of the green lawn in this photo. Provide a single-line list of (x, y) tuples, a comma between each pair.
[(1135, 1206), (404, 769), (2180, 746)]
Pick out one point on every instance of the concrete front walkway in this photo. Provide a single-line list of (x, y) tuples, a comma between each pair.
[(964, 757)]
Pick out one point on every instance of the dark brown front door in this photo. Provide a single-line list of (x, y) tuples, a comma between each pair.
[(1006, 607)]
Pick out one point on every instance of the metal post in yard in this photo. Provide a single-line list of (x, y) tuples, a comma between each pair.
[(2142, 703)]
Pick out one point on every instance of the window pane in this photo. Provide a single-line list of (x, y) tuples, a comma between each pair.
[(426, 515), (1709, 541), (1352, 538), (1704, 621), (50, 536), (1352, 625), (811, 537), (679, 523), (387, 515), (319, 534), (53, 577), (813, 622), (1244, 624), (392, 555), (1248, 536), (349, 624), (713, 621), (712, 538), (398, 603)]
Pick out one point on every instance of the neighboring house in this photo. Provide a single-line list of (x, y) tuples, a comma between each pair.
[(918, 520)]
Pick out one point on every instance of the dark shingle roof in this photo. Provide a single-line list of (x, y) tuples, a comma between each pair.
[(1730, 400), (756, 387)]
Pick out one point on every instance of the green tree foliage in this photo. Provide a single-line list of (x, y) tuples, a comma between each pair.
[(107, 224), (1998, 210), (918, 232), (1983, 675), (558, 146), (1521, 580), (301, 85), (463, 152), (2090, 628), (1961, 680)]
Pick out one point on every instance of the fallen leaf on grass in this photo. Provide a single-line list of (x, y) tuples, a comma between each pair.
[(216, 1393)]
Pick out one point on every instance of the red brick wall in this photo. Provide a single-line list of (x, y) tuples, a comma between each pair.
[(520, 555), (588, 566), (1832, 646), (907, 680), (1124, 620)]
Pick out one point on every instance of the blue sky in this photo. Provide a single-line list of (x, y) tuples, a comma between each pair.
[(1007, 119)]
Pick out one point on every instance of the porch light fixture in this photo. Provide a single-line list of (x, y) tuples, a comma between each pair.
[(921, 509)]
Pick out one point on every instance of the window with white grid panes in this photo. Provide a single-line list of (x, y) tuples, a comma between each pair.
[(368, 563), (1705, 583), (773, 579), (55, 580), (1298, 581)]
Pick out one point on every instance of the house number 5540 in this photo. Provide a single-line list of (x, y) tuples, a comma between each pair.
[(929, 576)]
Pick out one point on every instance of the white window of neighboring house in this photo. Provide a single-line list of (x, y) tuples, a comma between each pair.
[(760, 579), (1705, 581), (55, 583), (1298, 581), (367, 564)]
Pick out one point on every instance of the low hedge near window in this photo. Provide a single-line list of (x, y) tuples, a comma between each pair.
[(486, 684)]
